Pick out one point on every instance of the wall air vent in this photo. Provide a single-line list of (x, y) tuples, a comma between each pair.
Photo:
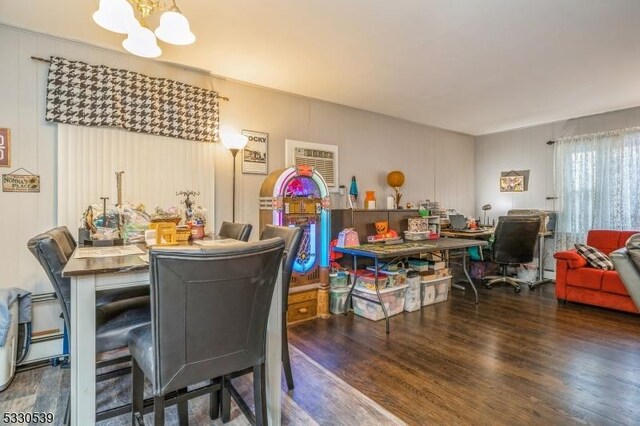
[(324, 158)]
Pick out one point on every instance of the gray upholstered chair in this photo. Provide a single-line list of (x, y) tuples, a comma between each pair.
[(117, 312), (626, 262), (237, 231), (514, 243), (292, 237), (209, 312)]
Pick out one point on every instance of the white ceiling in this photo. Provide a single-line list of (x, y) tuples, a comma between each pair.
[(467, 65)]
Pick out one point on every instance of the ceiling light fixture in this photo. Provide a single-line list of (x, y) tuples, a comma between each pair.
[(119, 16)]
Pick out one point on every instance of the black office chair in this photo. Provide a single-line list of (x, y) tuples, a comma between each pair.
[(117, 312), (237, 231), (209, 312), (514, 243), (292, 238)]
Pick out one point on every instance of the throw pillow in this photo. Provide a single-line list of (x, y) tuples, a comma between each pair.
[(595, 257)]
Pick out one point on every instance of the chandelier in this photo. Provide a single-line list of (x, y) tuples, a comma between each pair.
[(119, 16)]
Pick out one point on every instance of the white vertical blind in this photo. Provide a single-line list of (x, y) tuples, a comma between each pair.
[(155, 168)]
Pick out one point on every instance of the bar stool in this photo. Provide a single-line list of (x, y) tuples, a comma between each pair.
[(209, 312), (117, 312), (292, 237), (237, 231)]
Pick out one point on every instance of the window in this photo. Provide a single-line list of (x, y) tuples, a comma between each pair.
[(597, 179)]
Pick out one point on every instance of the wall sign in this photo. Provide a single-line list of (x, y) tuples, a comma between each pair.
[(5, 147), (254, 155), (14, 182)]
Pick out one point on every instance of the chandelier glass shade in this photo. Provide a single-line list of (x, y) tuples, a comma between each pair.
[(120, 16)]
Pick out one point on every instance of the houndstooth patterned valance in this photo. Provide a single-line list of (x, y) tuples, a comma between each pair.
[(96, 95)]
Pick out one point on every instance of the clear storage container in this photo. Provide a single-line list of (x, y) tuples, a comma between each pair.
[(412, 296), (435, 291), (393, 299), (366, 280), (338, 279), (337, 300)]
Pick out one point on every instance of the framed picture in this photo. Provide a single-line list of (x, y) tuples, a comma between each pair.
[(5, 147), (254, 155), (512, 183)]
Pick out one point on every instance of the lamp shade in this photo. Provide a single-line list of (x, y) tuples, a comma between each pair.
[(142, 42), (116, 16), (174, 28), (234, 141)]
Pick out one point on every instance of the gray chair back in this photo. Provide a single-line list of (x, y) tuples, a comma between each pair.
[(626, 262), (237, 231), (53, 249), (515, 239), (209, 310), (292, 237)]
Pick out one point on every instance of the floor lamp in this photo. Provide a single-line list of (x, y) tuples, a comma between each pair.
[(234, 143)]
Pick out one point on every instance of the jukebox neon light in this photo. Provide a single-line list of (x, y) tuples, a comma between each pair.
[(298, 196)]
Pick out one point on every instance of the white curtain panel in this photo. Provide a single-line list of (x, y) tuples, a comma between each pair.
[(597, 180), (155, 168)]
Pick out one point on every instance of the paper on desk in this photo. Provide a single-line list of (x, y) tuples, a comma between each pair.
[(93, 252), (144, 257)]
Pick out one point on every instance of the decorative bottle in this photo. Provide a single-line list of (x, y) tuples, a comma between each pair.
[(353, 190), (370, 200)]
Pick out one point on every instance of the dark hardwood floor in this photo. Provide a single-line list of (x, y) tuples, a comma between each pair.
[(513, 359)]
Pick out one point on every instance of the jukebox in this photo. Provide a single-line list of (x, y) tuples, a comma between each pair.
[(298, 196)]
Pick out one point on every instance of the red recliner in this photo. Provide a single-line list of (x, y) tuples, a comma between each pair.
[(576, 281)]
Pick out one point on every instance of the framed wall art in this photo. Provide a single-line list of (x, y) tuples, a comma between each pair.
[(254, 155), (5, 147), (512, 182)]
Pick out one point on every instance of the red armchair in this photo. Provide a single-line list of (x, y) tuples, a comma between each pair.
[(576, 281)]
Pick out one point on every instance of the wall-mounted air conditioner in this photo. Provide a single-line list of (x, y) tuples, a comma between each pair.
[(322, 157)]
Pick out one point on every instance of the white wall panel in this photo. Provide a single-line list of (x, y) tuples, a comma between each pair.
[(155, 169)]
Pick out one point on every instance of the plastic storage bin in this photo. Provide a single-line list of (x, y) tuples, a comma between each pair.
[(435, 291), (338, 279), (412, 296), (393, 299), (337, 300), (395, 278), (366, 280)]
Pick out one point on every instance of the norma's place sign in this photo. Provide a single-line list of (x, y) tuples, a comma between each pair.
[(20, 183)]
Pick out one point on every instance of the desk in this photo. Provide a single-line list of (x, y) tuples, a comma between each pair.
[(390, 253), (484, 233), (89, 275), (487, 233)]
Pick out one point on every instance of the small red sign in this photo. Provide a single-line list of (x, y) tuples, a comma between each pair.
[(5, 147)]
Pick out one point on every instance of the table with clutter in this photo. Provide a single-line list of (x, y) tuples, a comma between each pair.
[(387, 255)]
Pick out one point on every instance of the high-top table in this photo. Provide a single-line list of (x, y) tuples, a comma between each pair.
[(380, 252), (89, 275)]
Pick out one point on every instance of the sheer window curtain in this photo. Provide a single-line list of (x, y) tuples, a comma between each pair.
[(597, 181), (155, 168)]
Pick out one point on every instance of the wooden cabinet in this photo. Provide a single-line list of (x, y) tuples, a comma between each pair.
[(302, 306)]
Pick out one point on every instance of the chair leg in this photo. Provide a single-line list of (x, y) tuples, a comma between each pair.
[(226, 401), (214, 403), (260, 394), (158, 410), (137, 393), (183, 409), (286, 361)]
